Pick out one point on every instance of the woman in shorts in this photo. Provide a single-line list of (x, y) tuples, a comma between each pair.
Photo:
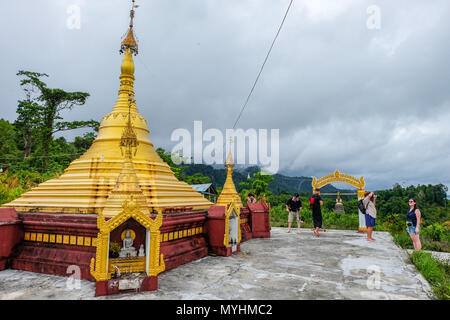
[(413, 223)]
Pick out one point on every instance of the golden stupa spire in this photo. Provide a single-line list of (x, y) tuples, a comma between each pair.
[(229, 192), (89, 182)]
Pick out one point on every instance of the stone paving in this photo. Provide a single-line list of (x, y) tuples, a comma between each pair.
[(338, 265)]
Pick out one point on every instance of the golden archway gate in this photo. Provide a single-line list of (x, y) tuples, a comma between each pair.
[(341, 177)]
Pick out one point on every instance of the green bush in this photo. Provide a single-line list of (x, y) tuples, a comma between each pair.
[(436, 273), (435, 232), (114, 249), (403, 240), (331, 220), (394, 224)]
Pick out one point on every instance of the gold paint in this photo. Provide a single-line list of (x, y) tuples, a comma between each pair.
[(124, 232), (338, 177), (65, 239), (136, 264), (237, 210), (45, 237), (86, 184), (73, 240), (33, 236), (87, 241), (26, 236), (170, 236), (130, 209), (39, 237), (58, 238), (80, 241), (229, 192), (52, 238)]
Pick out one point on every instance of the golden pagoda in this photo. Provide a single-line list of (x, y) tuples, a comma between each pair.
[(89, 180), (229, 192)]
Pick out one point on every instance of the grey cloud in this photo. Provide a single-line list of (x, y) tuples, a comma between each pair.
[(329, 85)]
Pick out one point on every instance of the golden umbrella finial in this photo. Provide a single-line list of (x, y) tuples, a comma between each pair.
[(229, 161), (129, 42)]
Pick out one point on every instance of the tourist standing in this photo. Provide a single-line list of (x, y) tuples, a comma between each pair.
[(251, 198), (293, 206), (371, 213), (413, 217), (315, 204)]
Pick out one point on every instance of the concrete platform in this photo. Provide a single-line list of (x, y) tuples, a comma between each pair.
[(338, 265)]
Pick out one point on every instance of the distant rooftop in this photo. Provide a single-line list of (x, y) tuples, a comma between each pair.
[(201, 187)]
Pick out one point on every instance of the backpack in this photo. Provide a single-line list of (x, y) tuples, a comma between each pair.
[(311, 203), (361, 206)]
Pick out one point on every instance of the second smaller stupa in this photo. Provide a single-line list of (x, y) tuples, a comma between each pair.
[(339, 207), (229, 191)]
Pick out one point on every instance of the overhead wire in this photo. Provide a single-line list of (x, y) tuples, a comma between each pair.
[(263, 65)]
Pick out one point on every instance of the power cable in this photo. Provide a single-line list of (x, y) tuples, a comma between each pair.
[(264, 63)]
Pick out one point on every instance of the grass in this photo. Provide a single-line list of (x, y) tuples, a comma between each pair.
[(437, 273), (331, 220)]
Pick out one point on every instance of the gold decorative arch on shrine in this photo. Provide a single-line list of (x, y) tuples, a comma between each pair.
[(340, 177), (99, 264), (236, 208)]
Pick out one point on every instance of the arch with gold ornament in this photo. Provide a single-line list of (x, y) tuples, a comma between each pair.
[(337, 176), (154, 261)]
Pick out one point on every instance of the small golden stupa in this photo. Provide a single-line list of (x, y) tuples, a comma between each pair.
[(89, 180), (229, 189)]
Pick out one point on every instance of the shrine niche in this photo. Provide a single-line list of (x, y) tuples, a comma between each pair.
[(139, 260), (232, 236), (223, 229)]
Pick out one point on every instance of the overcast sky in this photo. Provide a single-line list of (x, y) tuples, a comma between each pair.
[(369, 102)]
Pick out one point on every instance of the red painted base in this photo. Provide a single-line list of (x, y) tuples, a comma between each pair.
[(246, 232), (11, 233), (53, 259), (224, 251), (246, 229), (109, 287), (3, 263), (260, 220), (178, 252), (56, 258)]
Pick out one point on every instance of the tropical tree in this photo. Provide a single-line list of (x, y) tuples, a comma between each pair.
[(257, 184), (39, 114)]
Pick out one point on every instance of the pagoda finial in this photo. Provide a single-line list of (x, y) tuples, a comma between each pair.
[(229, 162), (129, 42)]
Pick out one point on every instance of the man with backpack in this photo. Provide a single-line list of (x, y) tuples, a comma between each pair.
[(315, 204), (293, 206)]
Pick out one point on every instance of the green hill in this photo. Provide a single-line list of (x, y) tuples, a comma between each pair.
[(281, 183)]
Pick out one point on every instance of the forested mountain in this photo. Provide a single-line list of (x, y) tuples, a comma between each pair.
[(281, 183)]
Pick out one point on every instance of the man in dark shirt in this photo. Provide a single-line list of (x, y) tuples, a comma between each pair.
[(316, 211), (293, 206)]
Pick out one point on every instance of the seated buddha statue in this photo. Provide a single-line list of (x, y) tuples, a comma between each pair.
[(127, 250)]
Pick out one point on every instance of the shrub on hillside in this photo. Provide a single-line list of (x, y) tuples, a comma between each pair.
[(436, 273), (394, 224), (435, 232)]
